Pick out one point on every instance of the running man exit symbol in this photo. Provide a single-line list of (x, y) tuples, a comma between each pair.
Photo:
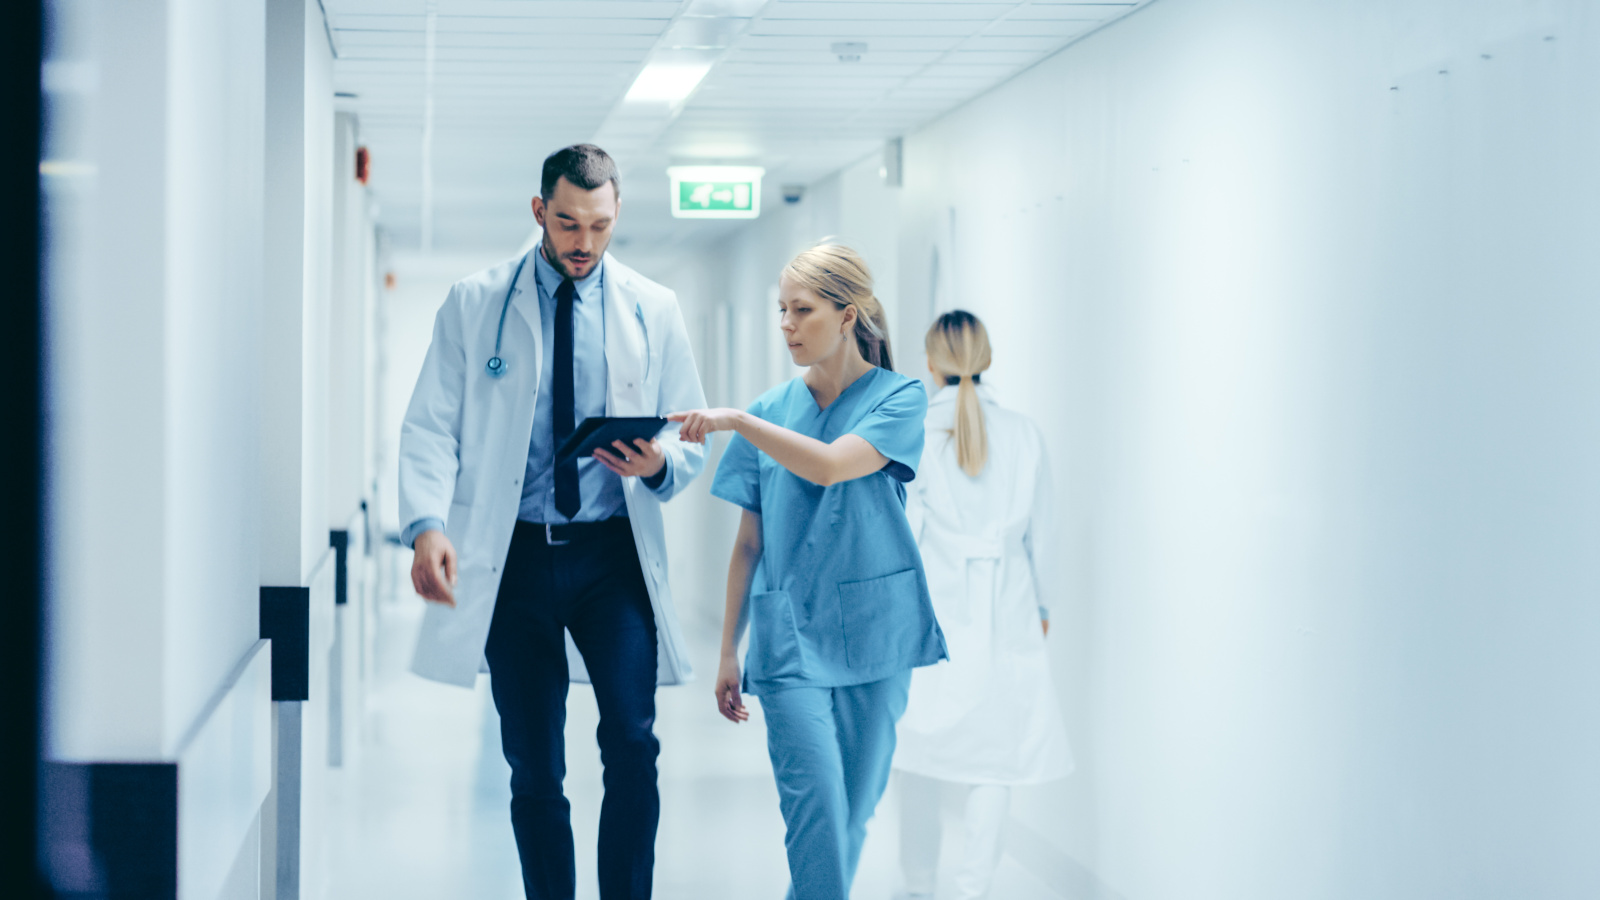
[(715, 192)]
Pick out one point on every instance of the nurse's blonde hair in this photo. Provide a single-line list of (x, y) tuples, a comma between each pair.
[(839, 275), (958, 351)]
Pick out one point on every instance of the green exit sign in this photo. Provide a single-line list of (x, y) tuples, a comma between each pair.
[(716, 192)]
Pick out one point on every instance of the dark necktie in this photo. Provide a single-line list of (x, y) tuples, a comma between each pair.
[(568, 500)]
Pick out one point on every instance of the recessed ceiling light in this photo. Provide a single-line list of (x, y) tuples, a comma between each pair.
[(849, 51), (666, 82)]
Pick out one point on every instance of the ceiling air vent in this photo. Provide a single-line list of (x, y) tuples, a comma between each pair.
[(849, 51)]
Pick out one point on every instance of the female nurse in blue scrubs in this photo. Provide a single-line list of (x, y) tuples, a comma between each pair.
[(825, 569)]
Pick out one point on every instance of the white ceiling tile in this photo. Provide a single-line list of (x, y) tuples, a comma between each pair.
[(468, 40), (1011, 58), (861, 29), (499, 25), (1058, 28), (1039, 43), (1095, 11), (338, 8), (823, 70), (563, 9), (822, 55), (515, 79), (848, 10), (820, 42)]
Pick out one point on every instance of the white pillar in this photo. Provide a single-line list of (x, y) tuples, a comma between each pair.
[(296, 560), (349, 452), (158, 683)]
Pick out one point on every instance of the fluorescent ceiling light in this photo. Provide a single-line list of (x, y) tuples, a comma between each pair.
[(666, 82)]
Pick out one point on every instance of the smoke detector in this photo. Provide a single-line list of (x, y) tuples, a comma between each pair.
[(849, 51)]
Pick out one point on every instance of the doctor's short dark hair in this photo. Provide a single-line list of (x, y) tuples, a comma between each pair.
[(585, 165)]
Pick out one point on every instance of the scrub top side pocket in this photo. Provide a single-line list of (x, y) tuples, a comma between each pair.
[(883, 620), (775, 650)]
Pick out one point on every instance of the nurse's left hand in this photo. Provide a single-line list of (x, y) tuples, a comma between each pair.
[(697, 423), (643, 459), (728, 701)]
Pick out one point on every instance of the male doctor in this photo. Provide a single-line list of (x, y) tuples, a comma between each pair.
[(547, 571)]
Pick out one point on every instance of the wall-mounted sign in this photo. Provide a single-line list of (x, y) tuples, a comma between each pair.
[(716, 192)]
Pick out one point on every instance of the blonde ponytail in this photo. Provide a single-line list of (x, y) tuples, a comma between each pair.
[(839, 275), (958, 351)]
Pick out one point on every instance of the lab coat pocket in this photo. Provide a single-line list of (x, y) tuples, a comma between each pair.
[(882, 619), (775, 644)]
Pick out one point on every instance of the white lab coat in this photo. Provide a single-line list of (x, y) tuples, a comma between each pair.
[(464, 447), (989, 714)]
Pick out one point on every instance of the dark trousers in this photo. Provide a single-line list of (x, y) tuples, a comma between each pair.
[(595, 589)]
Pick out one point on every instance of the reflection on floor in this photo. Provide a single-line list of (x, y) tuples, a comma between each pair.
[(423, 810)]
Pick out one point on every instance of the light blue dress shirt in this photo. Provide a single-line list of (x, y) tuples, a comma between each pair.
[(599, 488), (839, 596)]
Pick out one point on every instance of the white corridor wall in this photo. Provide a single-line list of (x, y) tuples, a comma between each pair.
[(1303, 297), (154, 328), (154, 207)]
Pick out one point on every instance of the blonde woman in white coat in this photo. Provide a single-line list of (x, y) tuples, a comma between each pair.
[(988, 718)]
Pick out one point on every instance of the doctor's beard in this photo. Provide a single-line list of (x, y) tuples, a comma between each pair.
[(563, 264)]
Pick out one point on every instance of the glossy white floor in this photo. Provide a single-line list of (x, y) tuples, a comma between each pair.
[(422, 812)]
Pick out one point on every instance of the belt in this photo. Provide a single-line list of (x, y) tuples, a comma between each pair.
[(560, 535)]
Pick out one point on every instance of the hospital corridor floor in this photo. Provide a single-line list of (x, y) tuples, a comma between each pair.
[(421, 811)]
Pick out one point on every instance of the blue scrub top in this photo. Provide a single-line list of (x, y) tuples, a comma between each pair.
[(839, 597)]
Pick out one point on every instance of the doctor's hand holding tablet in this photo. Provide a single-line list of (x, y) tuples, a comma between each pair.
[(633, 452)]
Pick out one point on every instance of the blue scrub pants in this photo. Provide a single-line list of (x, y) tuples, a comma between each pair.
[(830, 750)]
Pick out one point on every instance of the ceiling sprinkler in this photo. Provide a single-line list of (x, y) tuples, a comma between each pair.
[(849, 51)]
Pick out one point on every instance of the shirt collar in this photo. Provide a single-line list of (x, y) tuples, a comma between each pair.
[(549, 279)]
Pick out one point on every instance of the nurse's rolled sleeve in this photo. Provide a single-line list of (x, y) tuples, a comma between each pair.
[(895, 429), (738, 478)]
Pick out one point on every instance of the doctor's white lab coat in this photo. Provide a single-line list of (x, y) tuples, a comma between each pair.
[(989, 714), (464, 446)]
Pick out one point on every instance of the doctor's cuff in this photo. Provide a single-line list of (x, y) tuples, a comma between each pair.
[(409, 536), (659, 481)]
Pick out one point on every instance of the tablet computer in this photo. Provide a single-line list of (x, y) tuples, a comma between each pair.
[(600, 431)]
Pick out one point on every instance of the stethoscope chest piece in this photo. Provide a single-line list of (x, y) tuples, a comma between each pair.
[(497, 366)]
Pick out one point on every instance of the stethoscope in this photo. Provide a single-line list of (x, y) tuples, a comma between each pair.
[(496, 365)]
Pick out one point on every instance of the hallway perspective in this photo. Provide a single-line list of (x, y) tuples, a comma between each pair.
[(1160, 435), (424, 814)]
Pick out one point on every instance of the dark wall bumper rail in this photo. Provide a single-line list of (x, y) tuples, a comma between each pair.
[(286, 622)]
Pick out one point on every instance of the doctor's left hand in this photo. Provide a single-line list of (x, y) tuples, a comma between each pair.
[(643, 459)]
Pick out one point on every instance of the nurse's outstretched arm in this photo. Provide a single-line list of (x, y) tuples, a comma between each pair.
[(848, 458), (741, 569)]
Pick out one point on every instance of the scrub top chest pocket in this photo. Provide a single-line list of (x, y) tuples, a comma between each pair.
[(884, 620)]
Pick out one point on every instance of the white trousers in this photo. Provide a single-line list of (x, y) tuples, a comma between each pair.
[(983, 818)]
